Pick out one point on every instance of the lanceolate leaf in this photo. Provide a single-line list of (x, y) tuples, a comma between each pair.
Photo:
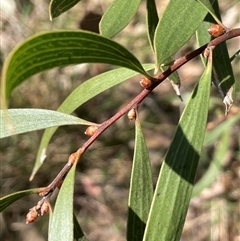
[(222, 70), (9, 199), (117, 17), (174, 186), (58, 48), (17, 121), (79, 96), (208, 5), (61, 227), (178, 23), (202, 32), (57, 7), (141, 188), (152, 20), (78, 233)]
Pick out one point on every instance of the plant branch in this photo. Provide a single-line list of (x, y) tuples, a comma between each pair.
[(160, 78), (134, 103), (228, 35)]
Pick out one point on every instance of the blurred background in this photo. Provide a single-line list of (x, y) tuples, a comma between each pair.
[(103, 175)]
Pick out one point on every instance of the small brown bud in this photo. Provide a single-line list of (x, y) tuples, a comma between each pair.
[(72, 158), (44, 208), (91, 130), (32, 215), (145, 83), (216, 30), (131, 114)]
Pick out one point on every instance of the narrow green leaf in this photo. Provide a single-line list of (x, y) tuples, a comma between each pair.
[(79, 96), (141, 188), (208, 5), (78, 233), (216, 165), (175, 183), (17, 121), (117, 16), (202, 34), (61, 227), (13, 197), (57, 7), (223, 76), (222, 70), (152, 21), (59, 48), (178, 23)]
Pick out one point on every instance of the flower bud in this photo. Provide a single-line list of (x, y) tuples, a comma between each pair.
[(216, 30), (44, 208), (91, 130), (32, 215), (145, 83), (131, 114)]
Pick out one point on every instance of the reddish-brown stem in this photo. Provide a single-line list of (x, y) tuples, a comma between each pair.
[(228, 35), (161, 77), (140, 97), (137, 100), (74, 157)]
